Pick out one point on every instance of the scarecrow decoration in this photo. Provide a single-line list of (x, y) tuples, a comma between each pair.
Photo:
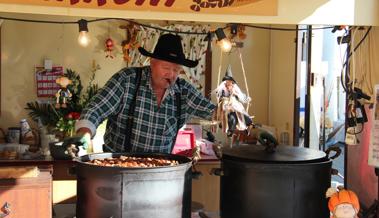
[(63, 93), (231, 101), (342, 203)]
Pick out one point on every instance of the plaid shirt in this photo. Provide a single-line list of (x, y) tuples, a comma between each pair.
[(154, 128)]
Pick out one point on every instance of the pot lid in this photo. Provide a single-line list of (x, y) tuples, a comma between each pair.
[(282, 154)]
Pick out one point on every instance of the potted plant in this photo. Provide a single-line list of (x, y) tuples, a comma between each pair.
[(61, 120)]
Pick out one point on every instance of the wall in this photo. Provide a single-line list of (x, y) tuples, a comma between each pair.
[(351, 12), (282, 81), (25, 45)]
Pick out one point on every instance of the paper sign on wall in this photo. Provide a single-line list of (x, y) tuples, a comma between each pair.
[(373, 153), (45, 79)]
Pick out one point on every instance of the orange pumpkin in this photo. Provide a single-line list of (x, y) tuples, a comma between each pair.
[(343, 196)]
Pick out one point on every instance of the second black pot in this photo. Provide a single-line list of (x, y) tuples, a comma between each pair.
[(288, 183)]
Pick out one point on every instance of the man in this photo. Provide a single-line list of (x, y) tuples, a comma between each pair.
[(146, 106)]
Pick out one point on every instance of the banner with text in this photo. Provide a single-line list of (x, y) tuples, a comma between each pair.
[(233, 7)]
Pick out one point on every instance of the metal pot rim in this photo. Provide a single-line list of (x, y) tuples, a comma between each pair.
[(183, 161), (282, 154)]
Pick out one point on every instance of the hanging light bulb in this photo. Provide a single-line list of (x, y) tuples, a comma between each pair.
[(223, 41), (83, 38), (226, 45)]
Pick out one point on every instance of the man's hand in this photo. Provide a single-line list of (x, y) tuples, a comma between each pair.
[(78, 145)]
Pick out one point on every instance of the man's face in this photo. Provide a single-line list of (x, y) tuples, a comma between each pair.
[(229, 85), (163, 73)]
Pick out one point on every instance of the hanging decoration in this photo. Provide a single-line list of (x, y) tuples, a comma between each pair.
[(230, 111), (130, 43), (109, 46)]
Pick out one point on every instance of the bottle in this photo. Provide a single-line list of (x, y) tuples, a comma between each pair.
[(25, 128), (285, 136), (28, 137)]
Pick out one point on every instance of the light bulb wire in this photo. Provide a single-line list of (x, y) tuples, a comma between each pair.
[(152, 27)]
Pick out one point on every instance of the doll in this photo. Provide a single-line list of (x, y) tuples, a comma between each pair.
[(342, 203), (109, 47), (63, 93), (230, 109)]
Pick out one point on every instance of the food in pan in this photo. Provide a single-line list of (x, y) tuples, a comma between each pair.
[(127, 161)]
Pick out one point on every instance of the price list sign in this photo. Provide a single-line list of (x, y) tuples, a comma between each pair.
[(46, 85)]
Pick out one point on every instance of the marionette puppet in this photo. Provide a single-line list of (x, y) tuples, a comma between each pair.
[(230, 110), (109, 47), (63, 93), (342, 203)]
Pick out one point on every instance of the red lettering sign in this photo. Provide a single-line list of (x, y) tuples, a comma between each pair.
[(168, 3), (210, 4)]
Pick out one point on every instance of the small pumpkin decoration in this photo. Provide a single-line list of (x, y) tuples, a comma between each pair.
[(342, 203)]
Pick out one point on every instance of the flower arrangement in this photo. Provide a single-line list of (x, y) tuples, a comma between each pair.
[(61, 120), (66, 124)]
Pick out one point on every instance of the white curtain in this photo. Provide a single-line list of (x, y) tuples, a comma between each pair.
[(364, 63)]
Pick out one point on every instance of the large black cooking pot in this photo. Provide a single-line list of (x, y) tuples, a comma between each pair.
[(104, 192), (289, 182)]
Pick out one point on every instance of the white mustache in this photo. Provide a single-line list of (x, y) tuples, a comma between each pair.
[(170, 81)]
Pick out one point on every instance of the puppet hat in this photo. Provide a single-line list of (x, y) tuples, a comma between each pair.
[(229, 74)]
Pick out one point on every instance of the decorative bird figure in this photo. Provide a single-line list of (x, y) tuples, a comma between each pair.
[(5, 210), (196, 156)]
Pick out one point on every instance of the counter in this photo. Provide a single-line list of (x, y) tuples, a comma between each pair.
[(205, 189), (64, 181), (25, 191)]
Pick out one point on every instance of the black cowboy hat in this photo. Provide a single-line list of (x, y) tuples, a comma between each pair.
[(169, 48)]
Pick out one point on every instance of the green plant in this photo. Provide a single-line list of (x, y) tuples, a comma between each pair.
[(44, 113), (63, 119)]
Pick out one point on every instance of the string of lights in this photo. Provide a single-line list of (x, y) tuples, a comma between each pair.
[(225, 43), (152, 27)]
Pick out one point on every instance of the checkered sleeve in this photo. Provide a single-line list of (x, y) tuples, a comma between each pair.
[(107, 101), (196, 103)]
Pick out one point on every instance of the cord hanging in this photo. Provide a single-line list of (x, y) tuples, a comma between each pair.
[(244, 77), (219, 69)]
